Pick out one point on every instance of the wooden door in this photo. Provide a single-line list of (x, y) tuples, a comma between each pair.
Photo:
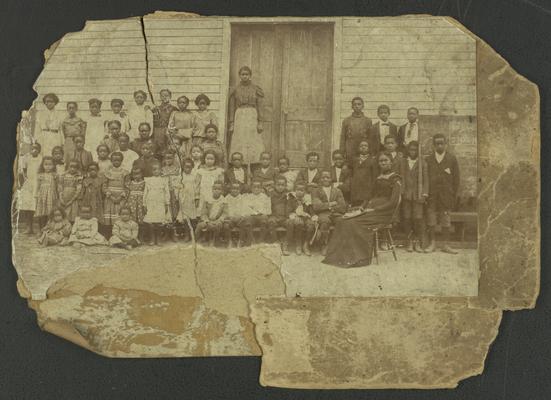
[(292, 63)]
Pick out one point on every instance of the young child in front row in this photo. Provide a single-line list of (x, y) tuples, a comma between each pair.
[(234, 217), (281, 209), (328, 203), (85, 229), (125, 231), (302, 219), (188, 193), (156, 200), (283, 170), (236, 173), (257, 206), (213, 215), (57, 230), (46, 191)]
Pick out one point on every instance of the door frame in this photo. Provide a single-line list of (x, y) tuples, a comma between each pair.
[(335, 22)]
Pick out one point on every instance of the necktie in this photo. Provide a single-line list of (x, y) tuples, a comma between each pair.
[(410, 129)]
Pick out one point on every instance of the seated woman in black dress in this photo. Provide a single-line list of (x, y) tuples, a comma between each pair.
[(351, 244)]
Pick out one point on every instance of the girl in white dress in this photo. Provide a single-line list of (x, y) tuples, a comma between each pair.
[(138, 113), (209, 173), (156, 200), (47, 129), (28, 173)]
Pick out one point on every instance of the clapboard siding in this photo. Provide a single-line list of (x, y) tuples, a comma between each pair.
[(105, 60), (185, 55), (424, 62)]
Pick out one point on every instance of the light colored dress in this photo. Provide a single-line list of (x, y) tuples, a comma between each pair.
[(114, 185), (124, 232), (95, 132), (69, 188), (47, 130), (188, 192), (111, 116), (136, 115), (85, 231), (71, 128), (29, 167), (156, 199), (202, 119), (56, 232), (180, 124), (46, 193), (244, 104), (103, 165), (208, 177), (129, 156)]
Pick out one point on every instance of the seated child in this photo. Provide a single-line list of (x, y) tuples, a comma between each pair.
[(57, 230), (302, 218), (328, 203), (236, 173), (311, 173), (397, 157), (213, 215), (283, 170), (85, 229), (265, 172), (257, 207), (156, 200), (125, 231), (281, 209), (234, 218), (211, 142)]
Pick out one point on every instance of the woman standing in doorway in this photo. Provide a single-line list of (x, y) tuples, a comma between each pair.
[(245, 129)]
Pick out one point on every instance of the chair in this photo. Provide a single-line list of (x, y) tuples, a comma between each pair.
[(385, 231)]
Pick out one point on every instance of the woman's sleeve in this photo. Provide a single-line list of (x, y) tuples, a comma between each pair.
[(259, 100), (231, 105), (392, 202)]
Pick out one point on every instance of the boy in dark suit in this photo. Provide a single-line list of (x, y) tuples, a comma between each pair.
[(381, 129), (443, 172), (363, 175), (396, 156), (282, 207), (354, 129), (328, 203), (265, 173), (311, 174), (236, 173), (409, 131), (415, 192), (340, 172)]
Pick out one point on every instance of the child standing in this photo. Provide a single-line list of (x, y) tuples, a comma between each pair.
[(409, 131), (59, 159), (328, 203), (171, 170), (302, 219), (82, 156), (257, 206), (265, 173), (161, 116), (135, 187), (117, 114), (104, 162), (95, 127), (415, 193), (310, 175), (213, 215), (188, 196), (143, 139), (181, 122), (443, 171), (129, 156), (47, 129), (72, 127), (209, 173), (283, 170), (210, 142), (57, 230), (381, 129), (281, 209), (28, 175), (114, 190), (156, 200), (355, 128), (46, 190), (69, 187), (202, 118), (340, 173), (234, 218), (364, 172), (197, 156), (138, 113), (236, 173), (85, 230), (125, 231), (92, 194)]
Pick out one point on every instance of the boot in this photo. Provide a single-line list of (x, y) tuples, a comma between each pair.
[(417, 246), (445, 239), (306, 248), (409, 247), (430, 248), (284, 249)]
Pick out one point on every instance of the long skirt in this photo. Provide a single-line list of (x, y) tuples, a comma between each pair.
[(246, 138), (351, 244)]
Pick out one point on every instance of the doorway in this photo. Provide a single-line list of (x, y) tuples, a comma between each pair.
[(293, 64)]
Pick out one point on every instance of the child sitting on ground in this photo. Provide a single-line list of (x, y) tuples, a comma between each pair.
[(213, 215), (57, 230), (85, 229), (125, 231)]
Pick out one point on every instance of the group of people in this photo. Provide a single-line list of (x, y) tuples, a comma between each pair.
[(125, 177)]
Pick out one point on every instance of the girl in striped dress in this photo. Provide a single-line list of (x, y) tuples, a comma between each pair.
[(114, 190), (46, 190)]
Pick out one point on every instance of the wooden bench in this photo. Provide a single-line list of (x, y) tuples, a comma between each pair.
[(461, 218)]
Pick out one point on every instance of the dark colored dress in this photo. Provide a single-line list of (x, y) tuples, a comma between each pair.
[(135, 199), (92, 196), (161, 115), (351, 244)]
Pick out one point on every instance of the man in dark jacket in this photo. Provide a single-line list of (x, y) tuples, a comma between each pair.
[(443, 186)]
